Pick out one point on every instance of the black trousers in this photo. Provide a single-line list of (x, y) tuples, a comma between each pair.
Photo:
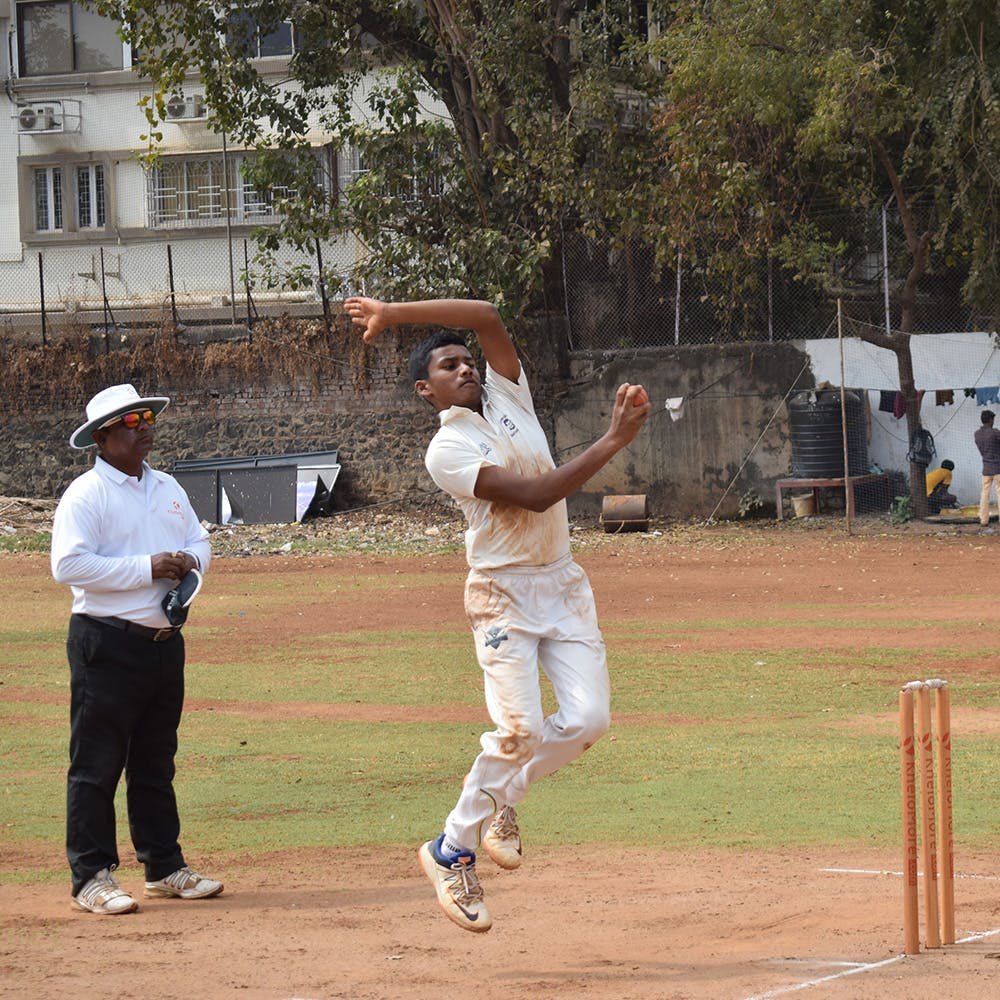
[(939, 498), (126, 697)]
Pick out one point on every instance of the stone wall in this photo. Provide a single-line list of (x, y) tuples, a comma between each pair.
[(276, 393), (732, 435), (292, 392)]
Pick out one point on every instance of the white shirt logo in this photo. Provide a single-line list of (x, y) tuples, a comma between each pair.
[(509, 424)]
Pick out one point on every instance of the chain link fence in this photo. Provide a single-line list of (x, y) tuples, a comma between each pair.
[(615, 300), (105, 286), (622, 299)]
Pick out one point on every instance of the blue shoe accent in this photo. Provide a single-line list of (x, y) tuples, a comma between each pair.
[(446, 859)]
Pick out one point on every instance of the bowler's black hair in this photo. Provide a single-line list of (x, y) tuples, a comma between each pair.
[(948, 464), (421, 354), (987, 416)]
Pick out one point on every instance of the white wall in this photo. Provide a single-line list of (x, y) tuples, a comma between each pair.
[(953, 361), (10, 242)]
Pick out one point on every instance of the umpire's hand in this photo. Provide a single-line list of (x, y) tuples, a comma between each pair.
[(172, 565)]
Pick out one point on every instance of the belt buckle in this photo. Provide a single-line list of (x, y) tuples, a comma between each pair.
[(163, 634)]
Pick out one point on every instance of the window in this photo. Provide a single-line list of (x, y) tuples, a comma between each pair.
[(87, 197), (60, 37), (350, 166), (90, 196), (195, 192), (412, 186), (48, 199), (244, 37)]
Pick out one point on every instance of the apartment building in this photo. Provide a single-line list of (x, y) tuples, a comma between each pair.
[(84, 221)]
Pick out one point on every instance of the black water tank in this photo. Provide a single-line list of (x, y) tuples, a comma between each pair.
[(817, 437)]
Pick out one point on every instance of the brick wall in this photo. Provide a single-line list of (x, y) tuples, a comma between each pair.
[(227, 399), (295, 391)]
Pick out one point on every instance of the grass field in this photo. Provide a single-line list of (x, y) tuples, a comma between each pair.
[(725, 737), (733, 837)]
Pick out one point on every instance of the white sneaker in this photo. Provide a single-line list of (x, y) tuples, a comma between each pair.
[(184, 884), (102, 894), (458, 890), (502, 841)]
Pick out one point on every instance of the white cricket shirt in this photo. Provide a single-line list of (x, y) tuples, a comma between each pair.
[(106, 529), (507, 435)]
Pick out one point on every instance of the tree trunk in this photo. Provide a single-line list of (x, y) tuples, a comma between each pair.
[(904, 357), (919, 246), (911, 401)]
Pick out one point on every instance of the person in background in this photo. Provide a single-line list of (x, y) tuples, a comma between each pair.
[(988, 442), (123, 536), (938, 494)]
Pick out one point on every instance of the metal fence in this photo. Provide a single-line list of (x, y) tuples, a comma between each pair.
[(623, 298), (614, 299), (216, 280)]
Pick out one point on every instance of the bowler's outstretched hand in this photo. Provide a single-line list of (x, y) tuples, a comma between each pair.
[(369, 313)]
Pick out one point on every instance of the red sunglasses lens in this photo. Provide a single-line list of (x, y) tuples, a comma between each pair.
[(132, 420)]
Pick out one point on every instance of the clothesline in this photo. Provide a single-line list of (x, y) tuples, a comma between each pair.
[(890, 401)]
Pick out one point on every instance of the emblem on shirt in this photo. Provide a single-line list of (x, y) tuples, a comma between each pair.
[(485, 449), (175, 508), (509, 424), (495, 635)]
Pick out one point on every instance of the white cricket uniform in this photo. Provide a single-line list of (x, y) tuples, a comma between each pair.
[(106, 528), (528, 603)]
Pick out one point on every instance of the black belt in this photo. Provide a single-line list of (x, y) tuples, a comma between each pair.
[(154, 634)]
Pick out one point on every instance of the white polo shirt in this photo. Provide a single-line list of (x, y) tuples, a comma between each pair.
[(507, 435), (106, 529)]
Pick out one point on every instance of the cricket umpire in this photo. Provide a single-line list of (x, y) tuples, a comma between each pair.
[(123, 535)]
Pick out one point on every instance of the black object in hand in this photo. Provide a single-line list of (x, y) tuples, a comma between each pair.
[(177, 601)]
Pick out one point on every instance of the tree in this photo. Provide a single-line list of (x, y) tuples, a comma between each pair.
[(485, 130), (776, 113)]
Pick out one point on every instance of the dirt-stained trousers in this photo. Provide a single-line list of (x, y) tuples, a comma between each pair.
[(523, 618)]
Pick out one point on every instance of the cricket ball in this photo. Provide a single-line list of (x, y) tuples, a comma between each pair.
[(641, 399)]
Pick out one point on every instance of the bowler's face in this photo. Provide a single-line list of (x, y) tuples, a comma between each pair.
[(452, 379)]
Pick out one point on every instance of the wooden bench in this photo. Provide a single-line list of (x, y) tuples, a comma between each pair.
[(816, 484)]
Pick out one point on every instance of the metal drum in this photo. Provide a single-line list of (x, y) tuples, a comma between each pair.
[(625, 513)]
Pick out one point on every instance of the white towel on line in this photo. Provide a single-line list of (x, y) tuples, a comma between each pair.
[(675, 407)]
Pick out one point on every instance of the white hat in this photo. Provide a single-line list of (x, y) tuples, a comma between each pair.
[(108, 404)]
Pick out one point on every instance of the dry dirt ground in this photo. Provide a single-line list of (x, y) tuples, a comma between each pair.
[(573, 923)]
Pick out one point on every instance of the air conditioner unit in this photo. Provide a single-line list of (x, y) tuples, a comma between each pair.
[(39, 118), (181, 108)]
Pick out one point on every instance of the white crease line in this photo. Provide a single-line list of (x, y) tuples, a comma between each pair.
[(878, 871), (809, 984), (979, 937), (782, 990), (813, 962), (859, 871)]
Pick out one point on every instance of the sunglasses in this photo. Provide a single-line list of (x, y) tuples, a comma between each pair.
[(132, 420)]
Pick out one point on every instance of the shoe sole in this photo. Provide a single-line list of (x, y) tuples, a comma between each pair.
[(502, 860), (431, 867), (151, 893), (83, 908)]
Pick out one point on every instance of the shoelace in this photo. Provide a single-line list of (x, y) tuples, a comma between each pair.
[(471, 891), (183, 878), (102, 882), (505, 824)]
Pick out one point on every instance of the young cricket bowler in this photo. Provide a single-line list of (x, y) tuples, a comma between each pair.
[(528, 602)]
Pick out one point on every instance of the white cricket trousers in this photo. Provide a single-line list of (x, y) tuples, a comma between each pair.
[(984, 497), (523, 617)]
